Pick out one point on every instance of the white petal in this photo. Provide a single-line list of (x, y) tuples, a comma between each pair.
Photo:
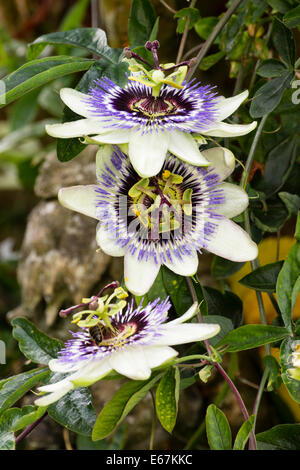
[(222, 129), (103, 158), (185, 147), (222, 161), (236, 200), (131, 362), (52, 397), (107, 242), (157, 355), (187, 266), (112, 136), (187, 333), (230, 241), (61, 384), (91, 373), (77, 128), (80, 199), (139, 274), (58, 366), (186, 316), (227, 106), (147, 152), (76, 101)]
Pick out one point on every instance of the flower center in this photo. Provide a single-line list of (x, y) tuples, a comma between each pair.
[(118, 335), (160, 203), (153, 107)]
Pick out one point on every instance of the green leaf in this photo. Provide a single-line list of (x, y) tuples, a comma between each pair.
[(92, 39), (141, 22), (24, 110), (124, 400), (34, 344), (292, 385), (217, 429), (280, 5), (15, 387), (177, 289), (7, 440), (227, 304), (225, 324), (271, 68), (186, 13), (286, 281), (222, 268), (284, 43), (243, 434), (291, 201), (75, 15), (204, 26), (252, 336), (279, 164), (211, 60), (38, 72), (281, 437), (166, 399), (15, 419), (269, 95), (272, 217), (75, 411), (292, 17), (263, 278), (274, 379)]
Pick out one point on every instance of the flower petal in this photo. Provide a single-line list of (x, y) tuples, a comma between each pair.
[(186, 333), (112, 136), (54, 396), (108, 242), (232, 242), (157, 355), (76, 101), (77, 128), (227, 106), (147, 152), (222, 129), (190, 313), (185, 147), (131, 362), (187, 266), (80, 199), (236, 200), (91, 373), (222, 161), (57, 365), (139, 274)]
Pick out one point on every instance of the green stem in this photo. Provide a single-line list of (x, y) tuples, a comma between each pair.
[(251, 154), (259, 394), (215, 32), (252, 441), (151, 444), (184, 35)]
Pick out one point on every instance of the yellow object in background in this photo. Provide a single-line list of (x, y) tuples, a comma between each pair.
[(267, 254)]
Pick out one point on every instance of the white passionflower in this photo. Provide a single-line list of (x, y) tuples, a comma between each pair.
[(138, 342), (166, 219), (151, 125)]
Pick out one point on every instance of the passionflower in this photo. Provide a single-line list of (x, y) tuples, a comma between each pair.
[(138, 341), (165, 219), (152, 124)]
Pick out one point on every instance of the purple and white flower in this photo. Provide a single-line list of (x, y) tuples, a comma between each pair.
[(140, 341), (166, 219), (151, 125)]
